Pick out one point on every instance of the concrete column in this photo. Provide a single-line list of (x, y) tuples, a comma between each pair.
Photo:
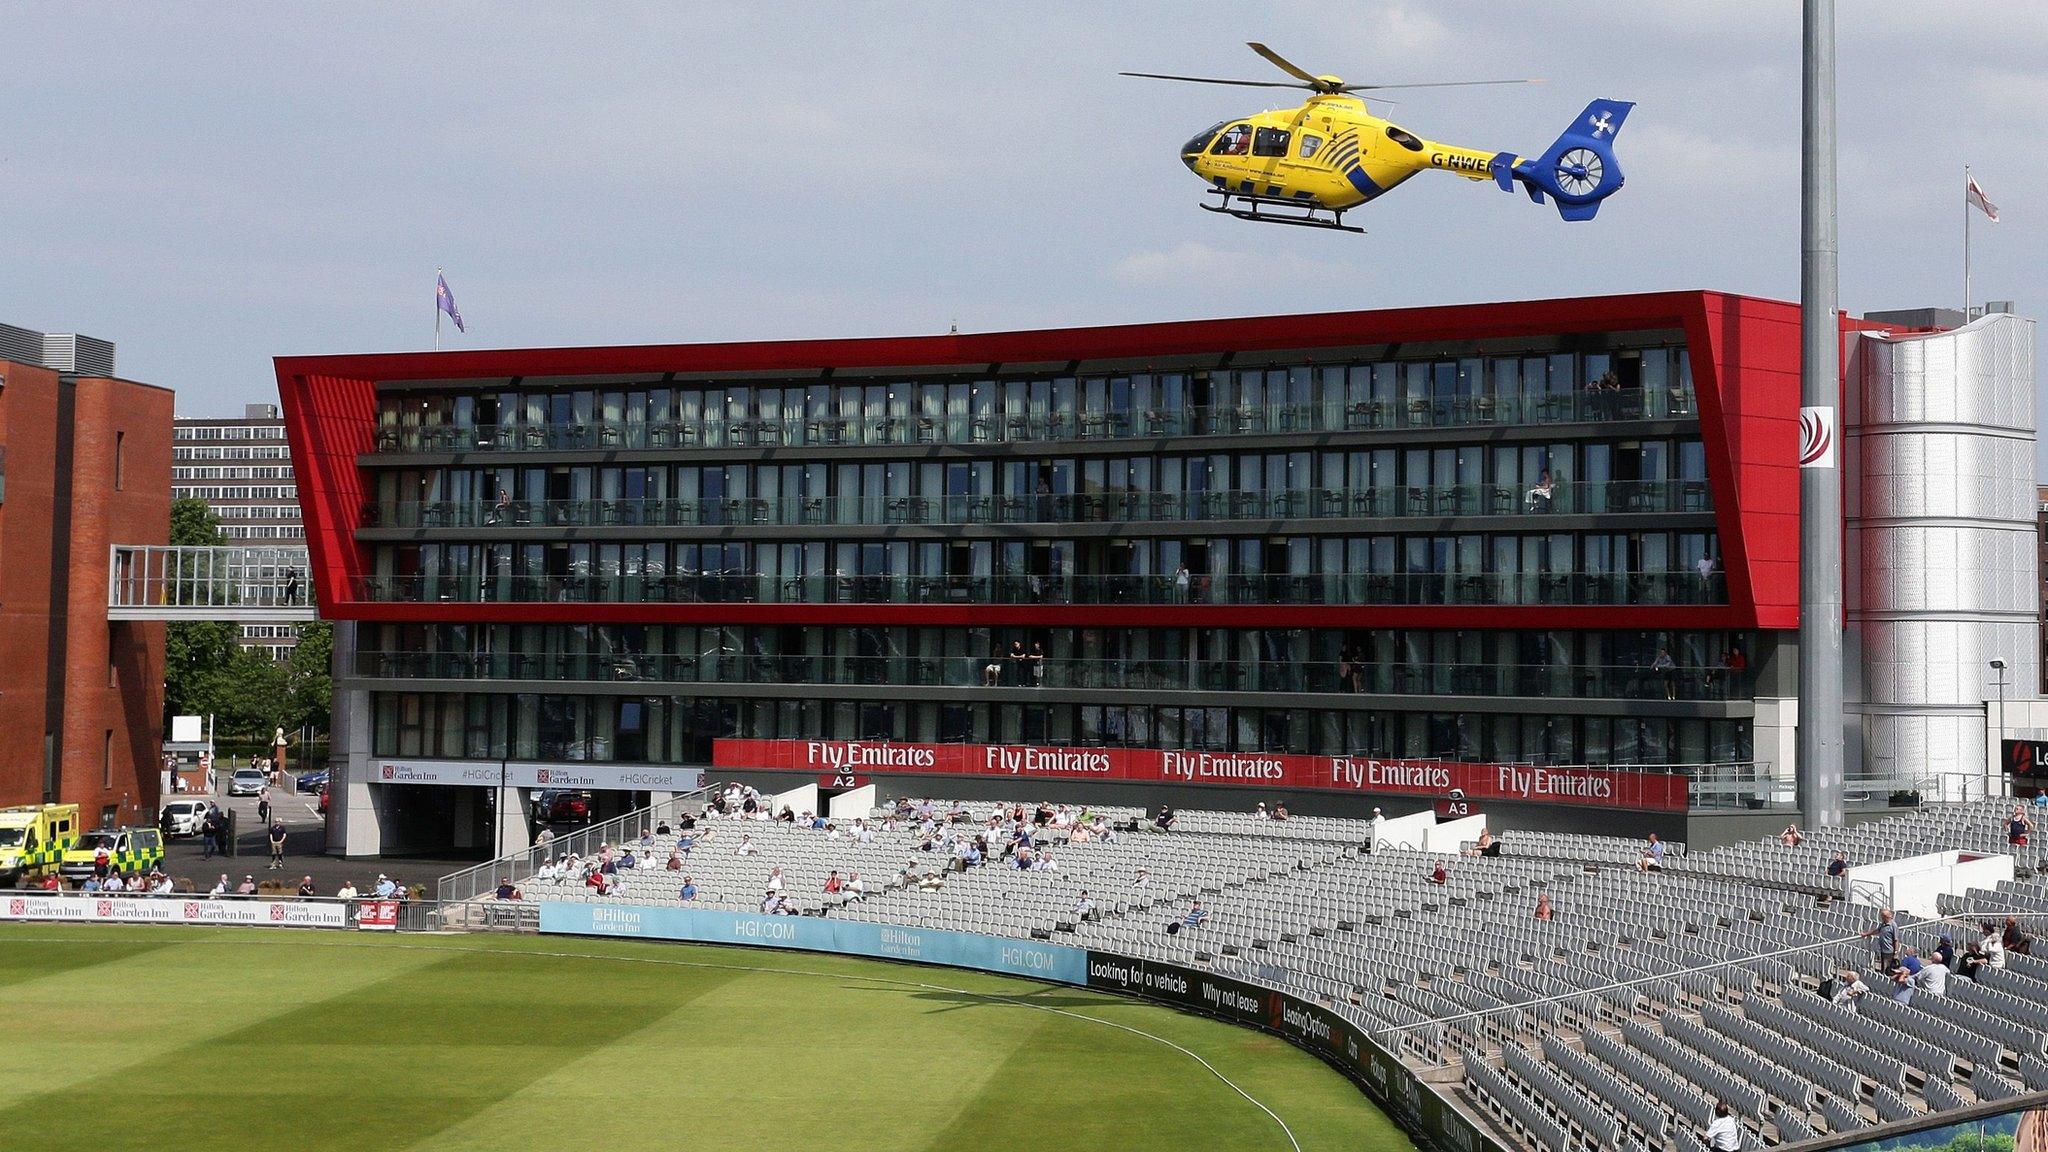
[(355, 825), (515, 832)]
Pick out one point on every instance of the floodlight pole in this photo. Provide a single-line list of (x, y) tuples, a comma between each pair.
[(1819, 741)]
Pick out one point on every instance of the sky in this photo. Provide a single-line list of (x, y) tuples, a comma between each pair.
[(212, 185)]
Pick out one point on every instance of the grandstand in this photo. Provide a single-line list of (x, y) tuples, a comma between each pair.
[(1619, 1022)]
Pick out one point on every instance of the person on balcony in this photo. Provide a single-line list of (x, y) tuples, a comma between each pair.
[(1666, 670)]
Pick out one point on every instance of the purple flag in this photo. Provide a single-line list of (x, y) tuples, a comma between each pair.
[(445, 301)]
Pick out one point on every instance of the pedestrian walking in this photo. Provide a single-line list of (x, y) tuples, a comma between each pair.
[(263, 804), (277, 845), (209, 834)]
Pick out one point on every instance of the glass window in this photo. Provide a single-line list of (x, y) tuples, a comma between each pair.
[(1310, 142), (1234, 141), (1201, 140), (1270, 142)]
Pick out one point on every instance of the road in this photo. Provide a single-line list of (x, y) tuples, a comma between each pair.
[(305, 850)]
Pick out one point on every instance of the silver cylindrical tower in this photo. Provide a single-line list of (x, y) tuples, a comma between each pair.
[(1819, 745), (1941, 528)]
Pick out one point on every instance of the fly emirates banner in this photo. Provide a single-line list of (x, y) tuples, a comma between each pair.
[(1594, 787)]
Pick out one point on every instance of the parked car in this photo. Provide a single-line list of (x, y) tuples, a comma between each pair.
[(185, 817), (323, 798), (247, 781), (562, 807), (312, 781)]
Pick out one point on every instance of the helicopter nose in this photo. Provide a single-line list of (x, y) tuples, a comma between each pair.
[(1189, 158)]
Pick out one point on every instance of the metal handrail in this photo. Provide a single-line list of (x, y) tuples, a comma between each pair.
[(471, 884)]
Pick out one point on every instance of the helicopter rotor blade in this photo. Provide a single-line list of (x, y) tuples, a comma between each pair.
[(1436, 84), (1215, 80), (1284, 64)]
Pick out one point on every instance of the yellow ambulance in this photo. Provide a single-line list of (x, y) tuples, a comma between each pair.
[(33, 840), (129, 851)]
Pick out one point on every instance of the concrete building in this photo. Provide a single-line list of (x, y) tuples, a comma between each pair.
[(85, 463), (241, 468)]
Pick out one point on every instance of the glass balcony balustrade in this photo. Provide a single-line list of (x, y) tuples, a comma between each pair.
[(1623, 682), (1036, 426), (1110, 507), (1406, 588)]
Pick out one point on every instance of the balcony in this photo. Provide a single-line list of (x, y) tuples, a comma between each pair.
[(1414, 501), (1619, 682), (1434, 588), (903, 428)]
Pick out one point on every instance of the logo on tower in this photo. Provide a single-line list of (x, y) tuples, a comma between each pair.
[(1817, 437)]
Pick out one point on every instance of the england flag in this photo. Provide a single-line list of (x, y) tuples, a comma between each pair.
[(1975, 196)]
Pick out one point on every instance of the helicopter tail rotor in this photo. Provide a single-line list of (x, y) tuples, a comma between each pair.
[(1579, 170)]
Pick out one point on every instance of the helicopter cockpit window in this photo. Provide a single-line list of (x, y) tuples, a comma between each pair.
[(1270, 142), (1235, 141), (1310, 142), (1404, 138), (1202, 138)]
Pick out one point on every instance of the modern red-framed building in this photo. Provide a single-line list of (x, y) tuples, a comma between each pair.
[(1558, 532)]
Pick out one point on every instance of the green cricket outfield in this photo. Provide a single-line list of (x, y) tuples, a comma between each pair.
[(170, 1038)]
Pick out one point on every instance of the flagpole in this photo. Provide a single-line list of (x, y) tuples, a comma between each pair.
[(1966, 243), (437, 289)]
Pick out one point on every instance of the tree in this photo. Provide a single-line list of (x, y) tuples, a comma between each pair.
[(198, 653), (193, 524), (208, 672), (309, 684)]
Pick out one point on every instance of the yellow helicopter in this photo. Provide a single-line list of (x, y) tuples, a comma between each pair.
[(1309, 165)]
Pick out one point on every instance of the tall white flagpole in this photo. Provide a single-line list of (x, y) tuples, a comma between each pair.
[(1966, 243), (437, 294)]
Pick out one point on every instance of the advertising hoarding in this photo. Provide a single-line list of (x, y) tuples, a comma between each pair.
[(175, 910), (1437, 779), (529, 774), (821, 934)]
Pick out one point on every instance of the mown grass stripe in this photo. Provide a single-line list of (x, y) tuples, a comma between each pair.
[(133, 1008), (787, 1053), (377, 1066), (23, 965)]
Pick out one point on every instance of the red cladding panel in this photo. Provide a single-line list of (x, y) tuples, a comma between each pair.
[(330, 420), (1745, 363), (1745, 358)]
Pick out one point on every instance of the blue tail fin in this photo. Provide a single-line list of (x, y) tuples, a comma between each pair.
[(1579, 170)]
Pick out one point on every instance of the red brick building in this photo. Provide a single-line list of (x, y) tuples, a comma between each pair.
[(85, 463)]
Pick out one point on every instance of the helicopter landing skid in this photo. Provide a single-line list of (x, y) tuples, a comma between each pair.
[(1265, 210)]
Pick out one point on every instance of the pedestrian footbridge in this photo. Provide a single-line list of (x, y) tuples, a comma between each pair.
[(252, 584)]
